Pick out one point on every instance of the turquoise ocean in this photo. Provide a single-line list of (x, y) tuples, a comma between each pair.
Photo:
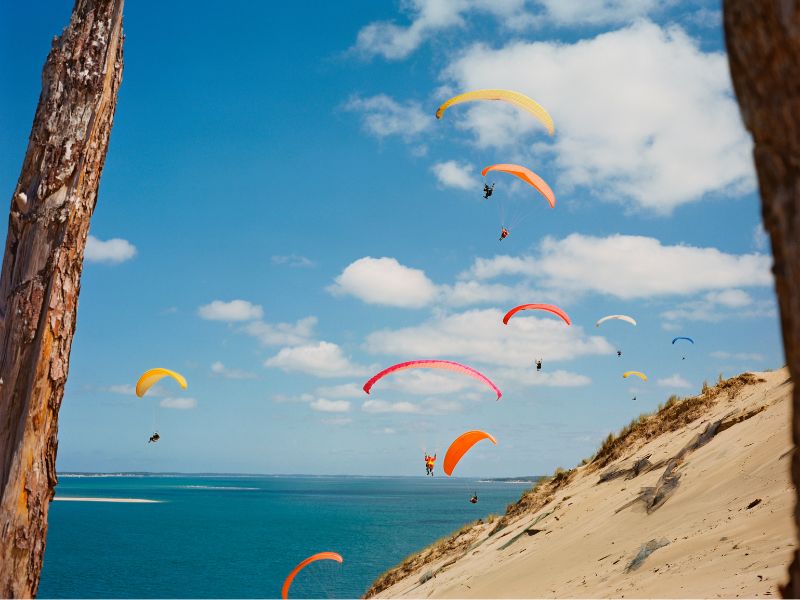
[(238, 536)]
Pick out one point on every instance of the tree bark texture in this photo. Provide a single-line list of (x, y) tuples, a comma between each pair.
[(51, 208), (763, 40)]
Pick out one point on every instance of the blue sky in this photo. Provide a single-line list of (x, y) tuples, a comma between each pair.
[(281, 215)]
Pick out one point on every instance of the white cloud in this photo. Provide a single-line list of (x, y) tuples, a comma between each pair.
[(393, 42), (760, 237), (383, 116), (179, 403), (738, 355), (125, 389), (457, 175), (431, 406), (643, 115), (113, 251), (480, 336), (385, 281), (323, 359), (595, 12), (676, 381), (220, 369), (337, 421), (717, 306), (731, 298), (344, 390), (292, 260), (382, 406), (531, 377), (336, 406), (235, 310), (629, 267), (282, 334)]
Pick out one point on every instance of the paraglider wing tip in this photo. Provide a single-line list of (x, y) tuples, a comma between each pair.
[(439, 113)]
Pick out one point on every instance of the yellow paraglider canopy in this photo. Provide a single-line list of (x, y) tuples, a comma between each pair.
[(151, 377), (515, 98), (639, 374)]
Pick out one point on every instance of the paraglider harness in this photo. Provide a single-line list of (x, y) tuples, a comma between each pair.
[(154, 438), (487, 191), (429, 462), (474, 499), (503, 233), (539, 364), (619, 352)]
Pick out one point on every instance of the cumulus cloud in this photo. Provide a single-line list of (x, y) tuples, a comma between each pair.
[(179, 403), (676, 381), (717, 306), (113, 251), (477, 336), (457, 175), (323, 359), (337, 421), (344, 390), (629, 267), (760, 237), (282, 334), (594, 12), (221, 370), (643, 115), (385, 281), (235, 310), (393, 42), (292, 260), (335, 406), (383, 116), (430, 406)]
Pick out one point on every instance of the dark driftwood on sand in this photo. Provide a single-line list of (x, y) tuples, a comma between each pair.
[(51, 207)]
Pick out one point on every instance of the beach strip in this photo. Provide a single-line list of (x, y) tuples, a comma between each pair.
[(94, 499)]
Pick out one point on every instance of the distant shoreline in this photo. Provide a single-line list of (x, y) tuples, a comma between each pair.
[(94, 499)]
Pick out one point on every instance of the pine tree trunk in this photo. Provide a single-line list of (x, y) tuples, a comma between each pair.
[(763, 39), (50, 212)]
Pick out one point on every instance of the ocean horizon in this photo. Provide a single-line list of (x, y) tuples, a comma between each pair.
[(207, 535)]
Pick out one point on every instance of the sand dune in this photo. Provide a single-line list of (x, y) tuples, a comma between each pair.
[(704, 510)]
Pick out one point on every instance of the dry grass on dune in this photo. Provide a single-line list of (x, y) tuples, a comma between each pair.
[(674, 414)]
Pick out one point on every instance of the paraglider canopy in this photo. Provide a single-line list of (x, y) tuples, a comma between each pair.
[(460, 446), (683, 338), (447, 365), (520, 100), (528, 177), (153, 376), (625, 318), (548, 307), (313, 558), (638, 374)]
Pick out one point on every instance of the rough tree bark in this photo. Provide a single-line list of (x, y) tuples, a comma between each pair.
[(50, 212), (763, 40)]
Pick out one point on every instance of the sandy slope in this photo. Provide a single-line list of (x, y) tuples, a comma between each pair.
[(717, 546)]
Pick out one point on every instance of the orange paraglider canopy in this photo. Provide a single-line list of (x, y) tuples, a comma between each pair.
[(548, 307), (313, 558), (528, 177), (461, 446)]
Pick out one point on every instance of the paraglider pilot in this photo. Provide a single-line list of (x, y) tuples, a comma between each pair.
[(487, 191), (619, 352), (503, 233), (474, 498), (429, 462), (539, 364), (154, 438)]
